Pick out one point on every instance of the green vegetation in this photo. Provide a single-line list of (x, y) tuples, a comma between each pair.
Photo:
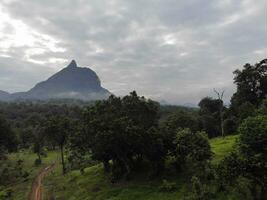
[(222, 147), (95, 184), (21, 188)]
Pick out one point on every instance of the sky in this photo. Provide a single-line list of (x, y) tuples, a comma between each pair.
[(175, 51)]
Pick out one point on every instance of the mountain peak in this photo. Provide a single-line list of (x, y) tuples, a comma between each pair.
[(71, 82), (72, 64)]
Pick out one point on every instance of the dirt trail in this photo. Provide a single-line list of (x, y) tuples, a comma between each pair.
[(36, 191)]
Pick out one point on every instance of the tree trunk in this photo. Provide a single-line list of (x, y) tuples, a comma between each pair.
[(221, 116), (62, 159)]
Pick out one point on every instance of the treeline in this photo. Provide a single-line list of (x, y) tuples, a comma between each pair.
[(124, 132)]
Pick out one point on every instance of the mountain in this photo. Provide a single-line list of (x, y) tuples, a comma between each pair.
[(4, 95), (72, 82)]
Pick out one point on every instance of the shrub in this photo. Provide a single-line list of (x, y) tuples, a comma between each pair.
[(167, 186), (192, 150), (200, 191), (37, 162)]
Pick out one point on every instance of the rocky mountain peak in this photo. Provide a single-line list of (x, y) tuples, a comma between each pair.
[(72, 82), (72, 64)]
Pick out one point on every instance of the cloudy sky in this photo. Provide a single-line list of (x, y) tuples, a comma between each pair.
[(172, 50)]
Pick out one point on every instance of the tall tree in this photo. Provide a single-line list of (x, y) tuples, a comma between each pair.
[(8, 139), (38, 143), (251, 84), (210, 116), (220, 97), (121, 130), (58, 130)]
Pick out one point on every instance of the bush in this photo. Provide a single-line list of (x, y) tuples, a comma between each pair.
[(200, 191), (245, 171), (6, 194), (167, 186), (243, 189), (230, 125), (229, 169), (37, 162), (253, 137), (192, 150)]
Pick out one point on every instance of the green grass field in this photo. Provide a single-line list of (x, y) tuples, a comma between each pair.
[(20, 189), (222, 146), (94, 185)]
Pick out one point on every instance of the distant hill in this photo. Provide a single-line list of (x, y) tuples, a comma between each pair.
[(4, 95), (72, 82)]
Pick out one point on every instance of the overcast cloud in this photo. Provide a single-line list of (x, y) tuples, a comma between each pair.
[(170, 50)]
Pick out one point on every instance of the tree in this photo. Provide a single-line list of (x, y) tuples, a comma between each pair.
[(27, 137), (122, 130), (210, 116), (249, 161), (8, 139), (220, 97), (253, 137), (38, 143), (58, 130), (193, 150), (251, 84), (175, 121)]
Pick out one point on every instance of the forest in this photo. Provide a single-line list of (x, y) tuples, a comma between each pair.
[(132, 147)]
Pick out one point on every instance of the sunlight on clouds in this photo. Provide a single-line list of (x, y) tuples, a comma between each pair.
[(57, 60), (169, 39), (15, 33)]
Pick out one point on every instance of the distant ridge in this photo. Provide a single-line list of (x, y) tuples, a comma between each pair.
[(72, 82)]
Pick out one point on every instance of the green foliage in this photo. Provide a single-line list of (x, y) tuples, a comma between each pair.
[(253, 146), (230, 125), (122, 130), (181, 119), (246, 169), (10, 172), (193, 151), (242, 189), (210, 116), (5, 194), (263, 108), (178, 120), (37, 162), (245, 110), (251, 84), (200, 191), (230, 168), (8, 139), (253, 137), (58, 131), (168, 186)]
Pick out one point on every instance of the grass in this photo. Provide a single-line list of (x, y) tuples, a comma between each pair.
[(21, 188), (222, 146), (95, 185)]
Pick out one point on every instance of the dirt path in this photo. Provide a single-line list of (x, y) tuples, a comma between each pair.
[(36, 191)]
